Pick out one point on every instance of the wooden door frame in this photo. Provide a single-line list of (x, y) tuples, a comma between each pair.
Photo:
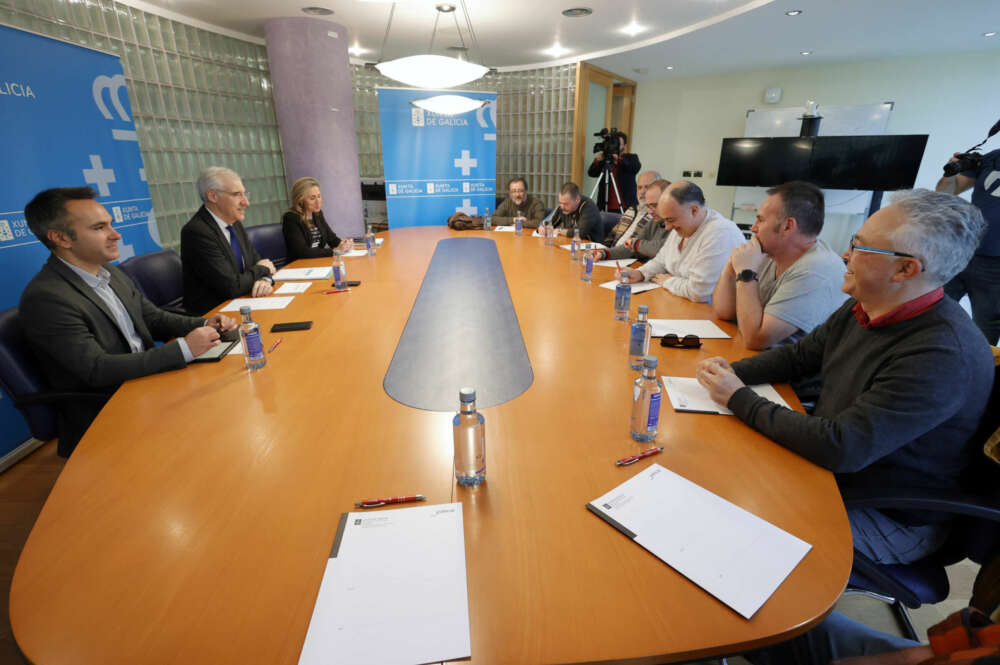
[(585, 74)]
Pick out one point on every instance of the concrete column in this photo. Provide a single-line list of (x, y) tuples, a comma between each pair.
[(313, 99)]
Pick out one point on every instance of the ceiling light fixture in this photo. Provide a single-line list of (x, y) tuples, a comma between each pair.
[(450, 104), (577, 12), (805, 52), (633, 29), (670, 67), (989, 34), (317, 11), (356, 50), (793, 12), (556, 50), (432, 71)]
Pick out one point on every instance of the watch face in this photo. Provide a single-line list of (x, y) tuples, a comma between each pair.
[(747, 275)]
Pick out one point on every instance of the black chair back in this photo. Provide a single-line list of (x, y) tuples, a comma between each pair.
[(19, 376), (270, 242), (609, 219), (159, 276)]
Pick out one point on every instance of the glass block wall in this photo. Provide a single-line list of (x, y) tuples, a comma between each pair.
[(534, 125), (199, 99)]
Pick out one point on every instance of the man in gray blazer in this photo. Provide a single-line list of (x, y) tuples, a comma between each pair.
[(86, 321), (220, 263)]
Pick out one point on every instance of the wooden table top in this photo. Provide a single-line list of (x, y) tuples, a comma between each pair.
[(193, 522)]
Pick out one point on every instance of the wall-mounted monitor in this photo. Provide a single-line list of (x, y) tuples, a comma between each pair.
[(882, 163)]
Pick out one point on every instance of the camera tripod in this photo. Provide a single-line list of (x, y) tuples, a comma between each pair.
[(608, 177)]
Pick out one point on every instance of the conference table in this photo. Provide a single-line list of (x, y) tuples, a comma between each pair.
[(193, 522)]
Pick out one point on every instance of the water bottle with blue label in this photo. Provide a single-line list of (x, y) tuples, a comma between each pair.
[(469, 430), (587, 266), (574, 246), (339, 270), (638, 339), (623, 296), (253, 345), (487, 221), (518, 225), (370, 243), (646, 395)]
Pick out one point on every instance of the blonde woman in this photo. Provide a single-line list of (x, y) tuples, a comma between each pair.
[(307, 235)]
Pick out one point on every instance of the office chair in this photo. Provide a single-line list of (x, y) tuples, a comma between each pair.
[(270, 243), (975, 531), (609, 219), (21, 380), (160, 277)]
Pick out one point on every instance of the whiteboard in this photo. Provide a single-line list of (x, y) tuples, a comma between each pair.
[(848, 120)]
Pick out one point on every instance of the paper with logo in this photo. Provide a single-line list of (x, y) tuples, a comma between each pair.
[(637, 287), (394, 590), (292, 287), (686, 394), (274, 302), (701, 327), (727, 551), (289, 274)]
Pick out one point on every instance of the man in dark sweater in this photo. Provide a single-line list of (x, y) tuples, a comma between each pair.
[(576, 211), (520, 202), (906, 373)]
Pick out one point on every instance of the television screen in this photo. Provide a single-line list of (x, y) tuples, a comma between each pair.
[(884, 163)]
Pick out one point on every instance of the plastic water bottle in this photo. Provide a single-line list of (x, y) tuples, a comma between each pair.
[(587, 267), (518, 225), (638, 339), (487, 221), (550, 232), (574, 246), (370, 243), (339, 270), (646, 395), (470, 441), (623, 297), (253, 345)]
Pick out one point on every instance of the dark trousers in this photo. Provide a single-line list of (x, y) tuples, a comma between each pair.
[(981, 281)]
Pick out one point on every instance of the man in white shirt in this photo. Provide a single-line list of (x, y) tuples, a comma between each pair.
[(785, 281), (692, 258)]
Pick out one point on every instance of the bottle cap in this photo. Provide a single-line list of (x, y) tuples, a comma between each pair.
[(644, 309), (467, 395), (649, 362), (245, 310)]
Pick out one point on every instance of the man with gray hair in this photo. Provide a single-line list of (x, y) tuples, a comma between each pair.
[(906, 372), (219, 261)]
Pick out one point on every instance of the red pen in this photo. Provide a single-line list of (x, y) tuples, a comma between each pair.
[(375, 503), (275, 345), (329, 291), (625, 461)]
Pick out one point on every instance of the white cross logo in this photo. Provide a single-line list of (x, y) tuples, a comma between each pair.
[(466, 162), (98, 175), (467, 207)]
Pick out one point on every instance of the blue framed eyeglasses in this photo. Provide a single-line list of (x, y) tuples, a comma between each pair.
[(852, 247)]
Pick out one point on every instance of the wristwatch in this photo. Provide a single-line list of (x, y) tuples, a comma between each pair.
[(746, 276)]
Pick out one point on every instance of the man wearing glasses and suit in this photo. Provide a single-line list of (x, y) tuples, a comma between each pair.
[(906, 372), (219, 261)]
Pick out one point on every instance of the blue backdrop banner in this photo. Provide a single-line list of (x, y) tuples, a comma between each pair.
[(436, 165), (65, 121)]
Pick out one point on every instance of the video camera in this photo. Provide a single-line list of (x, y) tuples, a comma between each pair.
[(970, 160), (611, 145)]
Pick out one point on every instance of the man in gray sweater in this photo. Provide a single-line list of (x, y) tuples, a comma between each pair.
[(906, 373)]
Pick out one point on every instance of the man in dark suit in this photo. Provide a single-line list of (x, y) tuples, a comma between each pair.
[(219, 261), (87, 322)]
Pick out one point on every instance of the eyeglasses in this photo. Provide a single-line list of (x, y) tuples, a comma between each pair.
[(686, 342), (239, 195), (872, 250)]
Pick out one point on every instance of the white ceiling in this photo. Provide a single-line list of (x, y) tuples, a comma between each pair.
[(693, 36)]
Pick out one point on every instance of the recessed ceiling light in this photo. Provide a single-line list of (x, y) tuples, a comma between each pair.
[(670, 67), (989, 34), (793, 12), (317, 11), (577, 12), (556, 50), (445, 8), (357, 50), (805, 52), (633, 29)]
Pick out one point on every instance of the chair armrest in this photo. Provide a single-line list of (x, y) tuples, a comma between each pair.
[(945, 501)]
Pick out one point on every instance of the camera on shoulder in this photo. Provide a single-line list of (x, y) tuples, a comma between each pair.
[(969, 160), (611, 145)]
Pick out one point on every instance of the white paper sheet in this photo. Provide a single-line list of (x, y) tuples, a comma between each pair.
[(613, 263), (686, 394), (277, 302), (237, 349), (289, 274), (503, 229), (292, 287), (637, 287), (377, 606), (354, 253), (701, 327), (729, 552)]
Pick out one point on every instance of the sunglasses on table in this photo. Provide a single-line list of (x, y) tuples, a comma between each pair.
[(686, 342)]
